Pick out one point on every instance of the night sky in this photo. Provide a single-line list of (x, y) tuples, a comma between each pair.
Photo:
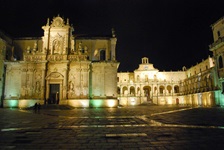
[(171, 33)]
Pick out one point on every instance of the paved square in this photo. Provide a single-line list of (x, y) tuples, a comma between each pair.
[(139, 127)]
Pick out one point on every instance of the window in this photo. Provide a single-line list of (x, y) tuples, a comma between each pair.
[(118, 90), (169, 88), (161, 89), (176, 89), (218, 33), (132, 91), (102, 55), (220, 62)]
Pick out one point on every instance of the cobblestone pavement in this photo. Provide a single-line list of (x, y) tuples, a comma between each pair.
[(139, 127)]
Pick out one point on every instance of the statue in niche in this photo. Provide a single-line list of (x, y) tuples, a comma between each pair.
[(71, 86), (37, 86), (56, 46)]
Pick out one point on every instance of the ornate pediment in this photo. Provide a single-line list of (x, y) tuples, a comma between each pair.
[(57, 22), (55, 75)]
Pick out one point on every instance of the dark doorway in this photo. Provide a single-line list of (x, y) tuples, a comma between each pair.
[(54, 94)]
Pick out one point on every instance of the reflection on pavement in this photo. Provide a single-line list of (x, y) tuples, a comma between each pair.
[(111, 122)]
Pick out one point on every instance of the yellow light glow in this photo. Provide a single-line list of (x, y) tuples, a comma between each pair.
[(111, 103), (133, 101), (26, 103), (169, 101), (85, 103)]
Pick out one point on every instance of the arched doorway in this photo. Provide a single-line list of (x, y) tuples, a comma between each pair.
[(147, 91)]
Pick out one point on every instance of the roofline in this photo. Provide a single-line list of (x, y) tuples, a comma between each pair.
[(212, 25)]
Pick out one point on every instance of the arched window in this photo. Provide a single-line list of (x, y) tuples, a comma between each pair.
[(125, 90), (161, 89), (155, 89), (138, 91), (147, 90), (169, 88), (220, 62), (176, 89), (132, 91)]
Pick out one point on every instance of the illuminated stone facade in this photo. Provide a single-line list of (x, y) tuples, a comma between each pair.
[(60, 68), (195, 86), (81, 71), (5, 45), (217, 47)]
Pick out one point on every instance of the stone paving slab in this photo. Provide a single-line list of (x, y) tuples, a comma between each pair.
[(154, 127)]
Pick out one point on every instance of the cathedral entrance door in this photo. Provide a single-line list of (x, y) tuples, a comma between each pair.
[(54, 94)]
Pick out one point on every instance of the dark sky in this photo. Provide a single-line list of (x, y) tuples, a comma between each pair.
[(171, 33)]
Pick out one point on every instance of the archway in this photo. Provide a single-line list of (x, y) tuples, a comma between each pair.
[(125, 90), (147, 91), (132, 91), (169, 89)]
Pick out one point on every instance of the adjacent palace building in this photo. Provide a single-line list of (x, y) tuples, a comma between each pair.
[(81, 71)]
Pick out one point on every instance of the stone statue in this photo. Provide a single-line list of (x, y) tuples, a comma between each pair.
[(56, 47), (38, 86), (71, 86)]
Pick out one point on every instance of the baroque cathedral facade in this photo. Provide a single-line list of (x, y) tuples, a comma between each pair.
[(81, 71), (60, 68)]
